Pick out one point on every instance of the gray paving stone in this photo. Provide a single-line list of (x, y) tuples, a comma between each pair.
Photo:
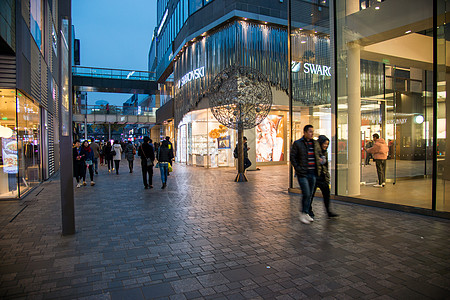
[(207, 237)]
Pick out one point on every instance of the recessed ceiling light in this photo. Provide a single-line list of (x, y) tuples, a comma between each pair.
[(377, 7), (409, 31)]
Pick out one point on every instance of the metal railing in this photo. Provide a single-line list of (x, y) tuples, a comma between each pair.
[(115, 110), (112, 73)]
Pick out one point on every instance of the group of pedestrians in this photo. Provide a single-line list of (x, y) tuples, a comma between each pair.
[(148, 153), (86, 156), (309, 158)]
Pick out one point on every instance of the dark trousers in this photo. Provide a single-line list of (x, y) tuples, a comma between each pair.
[(130, 165), (325, 189), (147, 170), (91, 172), (110, 164), (307, 184), (116, 163), (381, 170), (247, 163)]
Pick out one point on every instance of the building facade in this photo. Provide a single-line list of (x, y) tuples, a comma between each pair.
[(196, 40), (353, 73), (390, 77), (34, 81)]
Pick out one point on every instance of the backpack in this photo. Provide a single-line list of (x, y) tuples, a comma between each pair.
[(235, 153)]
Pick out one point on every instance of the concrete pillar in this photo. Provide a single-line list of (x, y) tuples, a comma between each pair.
[(354, 119), (251, 142)]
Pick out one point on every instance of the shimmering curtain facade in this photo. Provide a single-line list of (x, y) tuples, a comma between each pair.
[(259, 46)]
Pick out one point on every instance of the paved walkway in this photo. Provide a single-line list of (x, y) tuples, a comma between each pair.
[(207, 237)]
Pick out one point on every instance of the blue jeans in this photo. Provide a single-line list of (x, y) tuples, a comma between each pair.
[(95, 162), (307, 185), (164, 169)]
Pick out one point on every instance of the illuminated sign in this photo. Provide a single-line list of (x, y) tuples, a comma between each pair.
[(311, 68), (192, 75)]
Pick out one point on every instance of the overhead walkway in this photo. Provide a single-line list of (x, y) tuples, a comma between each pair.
[(86, 79), (101, 114)]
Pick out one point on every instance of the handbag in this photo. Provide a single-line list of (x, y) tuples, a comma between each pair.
[(88, 162), (149, 161), (113, 152), (170, 167)]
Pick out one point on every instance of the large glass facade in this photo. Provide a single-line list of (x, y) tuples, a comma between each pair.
[(391, 80), (20, 163)]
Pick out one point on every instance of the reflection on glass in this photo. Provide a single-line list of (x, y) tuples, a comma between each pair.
[(28, 143)]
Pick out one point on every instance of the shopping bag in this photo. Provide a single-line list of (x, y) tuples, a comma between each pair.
[(170, 168)]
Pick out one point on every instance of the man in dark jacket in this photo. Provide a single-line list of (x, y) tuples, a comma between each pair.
[(146, 152), (305, 158)]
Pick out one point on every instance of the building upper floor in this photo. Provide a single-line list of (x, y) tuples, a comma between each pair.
[(180, 21)]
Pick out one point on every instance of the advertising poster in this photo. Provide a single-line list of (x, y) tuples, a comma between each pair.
[(9, 155), (223, 142), (270, 139)]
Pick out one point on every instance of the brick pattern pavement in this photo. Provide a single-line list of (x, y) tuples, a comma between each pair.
[(206, 237)]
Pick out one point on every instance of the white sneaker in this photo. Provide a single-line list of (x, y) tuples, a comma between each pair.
[(78, 185), (309, 218), (378, 186), (304, 219)]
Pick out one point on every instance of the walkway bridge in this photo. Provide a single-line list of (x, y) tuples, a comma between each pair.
[(86, 79), (100, 114)]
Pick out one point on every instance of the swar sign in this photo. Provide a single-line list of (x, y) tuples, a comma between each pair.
[(192, 75), (311, 68)]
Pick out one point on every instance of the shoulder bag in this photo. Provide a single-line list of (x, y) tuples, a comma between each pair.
[(149, 161)]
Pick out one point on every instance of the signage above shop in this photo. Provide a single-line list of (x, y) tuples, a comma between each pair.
[(192, 75), (311, 68)]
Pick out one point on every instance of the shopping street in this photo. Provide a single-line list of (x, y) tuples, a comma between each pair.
[(208, 237)]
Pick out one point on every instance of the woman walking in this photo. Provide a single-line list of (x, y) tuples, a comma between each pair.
[(101, 153), (108, 156), (147, 155), (130, 151), (323, 180), (88, 155), (117, 155), (165, 156), (78, 162)]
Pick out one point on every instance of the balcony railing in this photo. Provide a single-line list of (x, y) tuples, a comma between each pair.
[(113, 73), (115, 110)]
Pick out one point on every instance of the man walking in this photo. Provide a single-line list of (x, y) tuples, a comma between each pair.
[(170, 146), (95, 147), (380, 152), (305, 158)]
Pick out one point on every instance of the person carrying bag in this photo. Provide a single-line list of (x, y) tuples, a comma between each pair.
[(147, 155)]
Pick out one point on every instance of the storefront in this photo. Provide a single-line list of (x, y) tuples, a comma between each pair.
[(20, 164), (389, 78)]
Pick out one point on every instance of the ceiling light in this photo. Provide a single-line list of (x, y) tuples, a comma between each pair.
[(409, 31), (265, 22), (303, 42), (377, 7), (245, 19)]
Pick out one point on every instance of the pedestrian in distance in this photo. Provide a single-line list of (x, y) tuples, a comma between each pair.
[(96, 148), (380, 152), (170, 146), (305, 158), (130, 152), (101, 153), (165, 156), (88, 155), (78, 162), (117, 155), (147, 154), (247, 162), (109, 156), (369, 144), (323, 180)]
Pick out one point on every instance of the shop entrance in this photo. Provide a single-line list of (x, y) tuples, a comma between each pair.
[(401, 118)]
